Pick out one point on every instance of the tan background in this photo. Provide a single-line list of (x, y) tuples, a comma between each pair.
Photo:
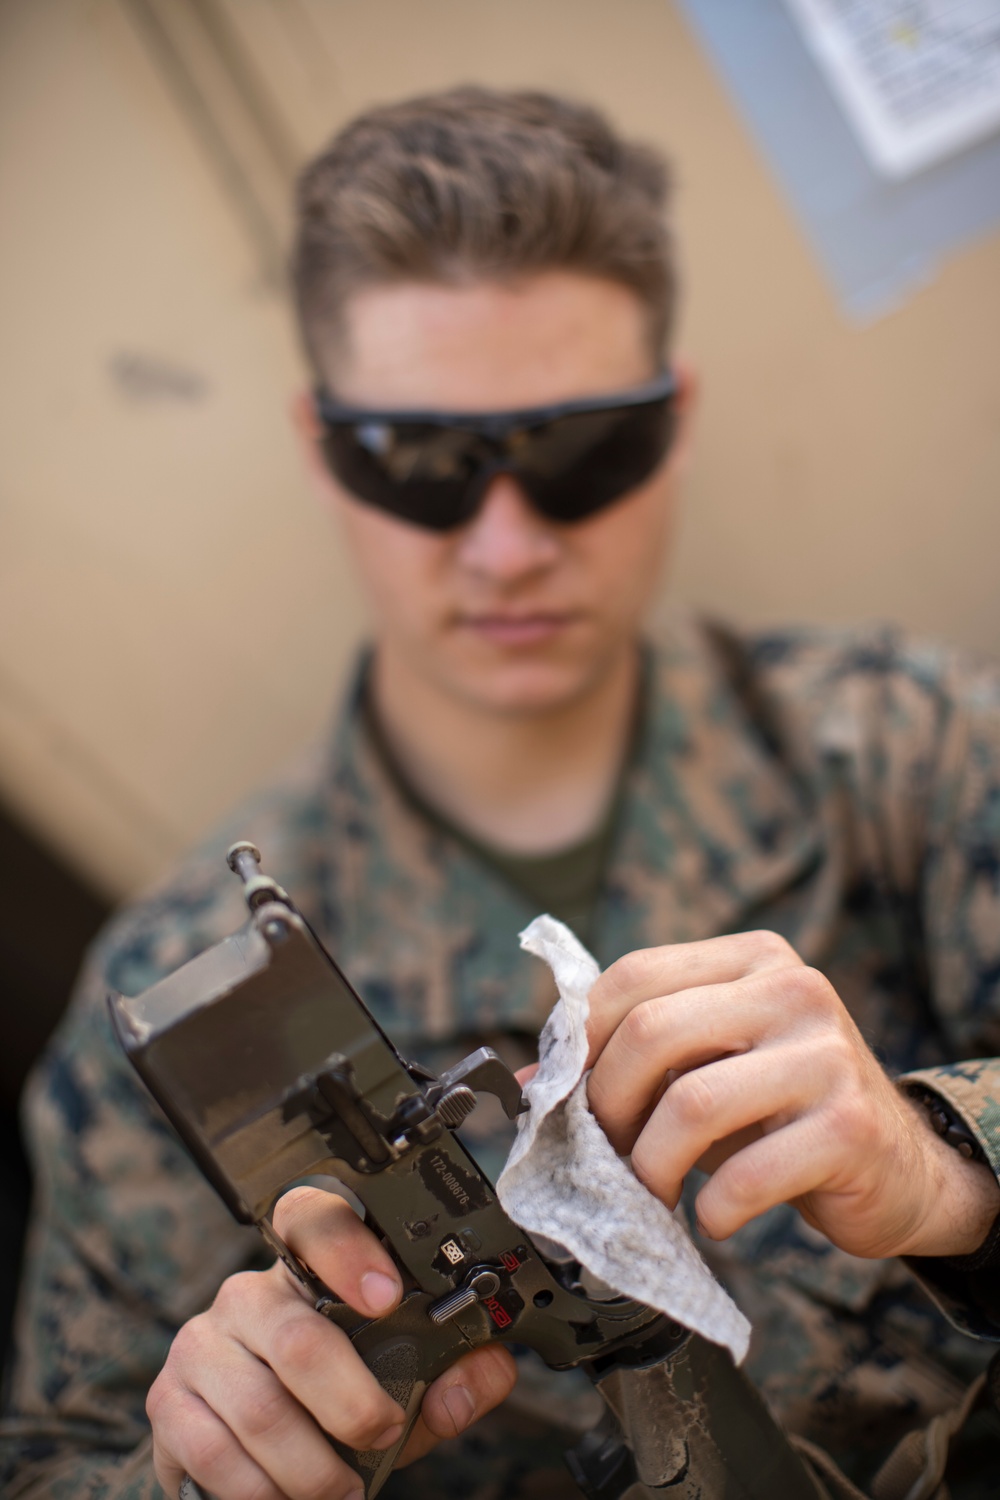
[(174, 613)]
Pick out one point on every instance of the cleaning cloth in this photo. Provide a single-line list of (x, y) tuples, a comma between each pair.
[(564, 1180)]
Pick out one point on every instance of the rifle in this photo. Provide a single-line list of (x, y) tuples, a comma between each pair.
[(271, 1070)]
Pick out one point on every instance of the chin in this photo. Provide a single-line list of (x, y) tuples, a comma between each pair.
[(526, 688)]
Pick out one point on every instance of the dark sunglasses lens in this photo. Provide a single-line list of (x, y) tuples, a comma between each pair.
[(433, 475), (579, 464), (418, 472)]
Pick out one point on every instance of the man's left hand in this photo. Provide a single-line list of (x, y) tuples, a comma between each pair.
[(731, 1055)]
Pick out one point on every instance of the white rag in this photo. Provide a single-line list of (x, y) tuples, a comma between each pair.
[(564, 1180)]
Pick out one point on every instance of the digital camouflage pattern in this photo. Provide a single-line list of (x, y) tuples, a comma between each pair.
[(841, 789)]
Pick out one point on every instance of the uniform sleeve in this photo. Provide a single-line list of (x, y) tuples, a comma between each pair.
[(960, 910), (967, 1289), (127, 1243)]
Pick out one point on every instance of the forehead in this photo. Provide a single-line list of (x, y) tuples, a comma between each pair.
[(483, 346)]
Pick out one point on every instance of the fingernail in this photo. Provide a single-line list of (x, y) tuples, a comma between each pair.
[(459, 1405), (389, 1436), (355, 1495), (379, 1291)]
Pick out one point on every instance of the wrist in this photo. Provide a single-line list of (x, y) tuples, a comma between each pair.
[(962, 1195)]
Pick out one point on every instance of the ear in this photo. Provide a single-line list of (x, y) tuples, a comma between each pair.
[(687, 399), (303, 416), (305, 424)]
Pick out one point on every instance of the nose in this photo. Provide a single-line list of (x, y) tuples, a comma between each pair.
[(507, 540)]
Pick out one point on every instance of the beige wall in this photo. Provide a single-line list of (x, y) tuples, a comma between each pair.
[(174, 613)]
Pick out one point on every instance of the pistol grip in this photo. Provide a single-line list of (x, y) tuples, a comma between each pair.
[(395, 1368), (405, 1351)]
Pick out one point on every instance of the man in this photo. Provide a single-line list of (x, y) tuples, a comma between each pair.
[(784, 848)]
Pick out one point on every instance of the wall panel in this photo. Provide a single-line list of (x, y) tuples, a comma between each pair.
[(174, 610)]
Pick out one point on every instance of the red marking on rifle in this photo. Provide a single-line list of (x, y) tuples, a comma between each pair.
[(510, 1260), (500, 1316)]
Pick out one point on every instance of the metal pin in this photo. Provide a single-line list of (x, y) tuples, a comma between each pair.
[(244, 860)]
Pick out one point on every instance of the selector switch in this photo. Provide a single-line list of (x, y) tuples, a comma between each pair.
[(481, 1285)]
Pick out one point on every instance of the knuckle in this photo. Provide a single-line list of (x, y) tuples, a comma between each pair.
[(640, 1028), (267, 1410), (808, 989), (817, 985), (236, 1292), (190, 1343), (747, 1179), (691, 1099), (365, 1419), (208, 1449), (853, 1120), (293, 1207), (161, 1400), (840, 1056), (767, 946), (184, 1434), (632, 970), (295, 1344)]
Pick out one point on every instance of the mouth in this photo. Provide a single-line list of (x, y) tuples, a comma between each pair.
[(530, 628)]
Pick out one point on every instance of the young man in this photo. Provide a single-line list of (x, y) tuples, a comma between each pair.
[(784, 848)]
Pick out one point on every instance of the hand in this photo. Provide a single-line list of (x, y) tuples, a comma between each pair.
[(251, 1387), (733, 1056)]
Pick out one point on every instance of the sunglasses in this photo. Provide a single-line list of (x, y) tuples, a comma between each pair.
[(433, 468)]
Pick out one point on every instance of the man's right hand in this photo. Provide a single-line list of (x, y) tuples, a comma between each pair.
[(252, 1386)]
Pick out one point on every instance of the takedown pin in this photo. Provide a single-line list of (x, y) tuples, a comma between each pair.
[(243, 859)]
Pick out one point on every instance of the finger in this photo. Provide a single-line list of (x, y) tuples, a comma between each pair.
[(325, 1232), (188, 1438), (650, 972), (662, 1037), (314, 1362), (712, 1104), (676, 1033), (782, 1167), (271, 1426), (474, 1385)]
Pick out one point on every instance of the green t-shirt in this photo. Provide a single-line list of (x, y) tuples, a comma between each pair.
[(567, 882)]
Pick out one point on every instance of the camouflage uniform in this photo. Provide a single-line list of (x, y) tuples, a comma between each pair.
[(843, 790)]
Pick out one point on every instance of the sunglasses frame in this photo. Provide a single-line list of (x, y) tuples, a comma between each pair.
[(496, 425)]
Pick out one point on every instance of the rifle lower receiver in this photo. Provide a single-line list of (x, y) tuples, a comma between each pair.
[(272, 1070)]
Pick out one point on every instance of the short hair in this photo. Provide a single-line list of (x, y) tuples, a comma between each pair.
[(479, 184)]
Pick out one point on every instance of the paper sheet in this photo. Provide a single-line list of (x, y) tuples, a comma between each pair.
[(917, 82)]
